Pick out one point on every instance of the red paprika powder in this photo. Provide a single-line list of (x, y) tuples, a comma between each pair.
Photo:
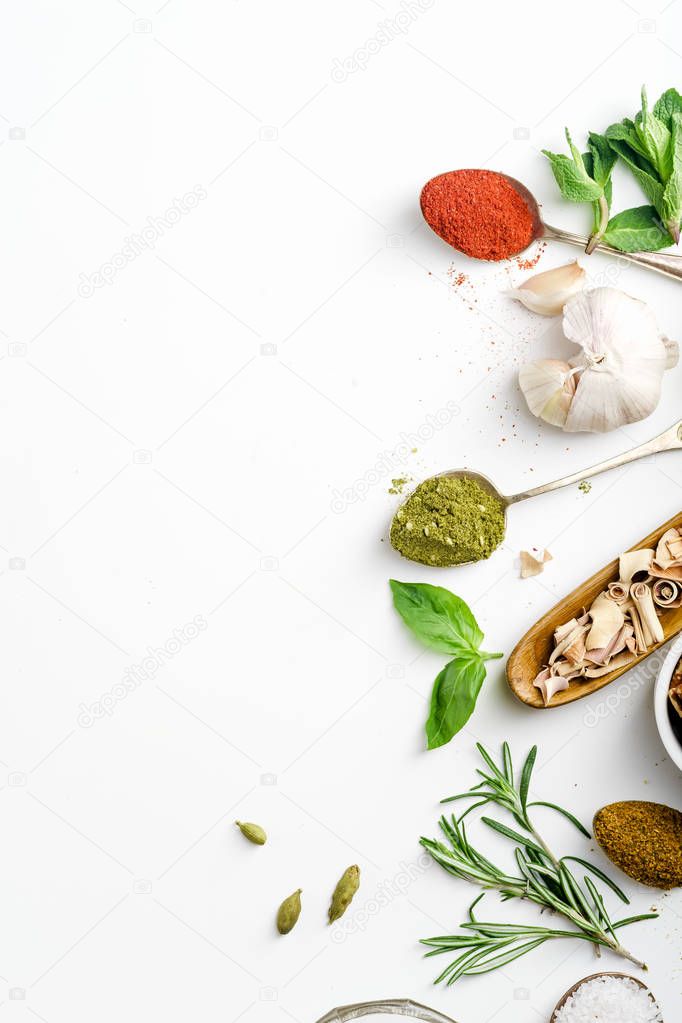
[(480, 213)]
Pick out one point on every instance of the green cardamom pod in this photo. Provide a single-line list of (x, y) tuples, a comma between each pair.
[(344, 892), (253, 832), (289, 912)]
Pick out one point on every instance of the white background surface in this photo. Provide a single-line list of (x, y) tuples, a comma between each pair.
[(178, 443)]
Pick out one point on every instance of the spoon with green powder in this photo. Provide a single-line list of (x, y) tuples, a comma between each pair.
[(459, 517)]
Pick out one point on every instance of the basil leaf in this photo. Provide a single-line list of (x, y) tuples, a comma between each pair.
[(453, 699), (669, 104), (637, 230), (444, 622), (439, 618), (573, 180)]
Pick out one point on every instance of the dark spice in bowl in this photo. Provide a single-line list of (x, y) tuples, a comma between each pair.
[(675, 699)]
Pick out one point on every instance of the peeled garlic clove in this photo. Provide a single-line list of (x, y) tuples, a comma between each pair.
[(547, 293), (548, 386)]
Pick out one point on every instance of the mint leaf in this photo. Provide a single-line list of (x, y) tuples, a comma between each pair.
[(588, 160), (625, 131), (437, 617), (599, 161), (676, 139), (637, 230), (642, 169), (574, 182), (654, 136), (602, 159), (669, 104), (453, 699), (671, 206)]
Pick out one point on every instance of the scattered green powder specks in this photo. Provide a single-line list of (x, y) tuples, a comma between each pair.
[(448, 521), (584, 486), (397, 485)]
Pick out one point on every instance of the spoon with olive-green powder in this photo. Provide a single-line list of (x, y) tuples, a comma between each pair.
[(460, 516), (449, 520)]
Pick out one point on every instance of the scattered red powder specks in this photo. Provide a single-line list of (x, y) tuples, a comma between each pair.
[(527, 263), (457, 277), (497, 338)]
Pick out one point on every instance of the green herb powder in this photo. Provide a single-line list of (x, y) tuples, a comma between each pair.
[(397, 485), (448, 520)]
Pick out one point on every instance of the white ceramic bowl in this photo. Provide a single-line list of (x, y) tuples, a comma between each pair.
[(668, 738)]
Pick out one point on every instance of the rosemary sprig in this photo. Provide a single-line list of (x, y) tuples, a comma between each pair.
[(542, 878)]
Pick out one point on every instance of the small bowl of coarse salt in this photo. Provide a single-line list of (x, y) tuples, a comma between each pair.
[(608, 998)]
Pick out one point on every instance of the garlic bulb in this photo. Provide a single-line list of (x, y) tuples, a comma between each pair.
[(615, 379), (547, 293)]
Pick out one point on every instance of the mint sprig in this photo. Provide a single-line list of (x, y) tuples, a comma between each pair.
[(650, 147), (575, 182), (586, 177)]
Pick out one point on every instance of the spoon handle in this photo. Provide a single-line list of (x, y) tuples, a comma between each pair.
[(668, 441), (391, 1006), (661, 262)]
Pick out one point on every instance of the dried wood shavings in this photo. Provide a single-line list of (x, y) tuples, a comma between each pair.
[(623, 621), (533, 561)]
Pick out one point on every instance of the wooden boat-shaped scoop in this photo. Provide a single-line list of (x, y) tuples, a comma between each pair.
[(532, 653)]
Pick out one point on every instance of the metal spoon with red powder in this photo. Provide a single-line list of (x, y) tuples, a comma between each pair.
[(488, 215), (482, 213)]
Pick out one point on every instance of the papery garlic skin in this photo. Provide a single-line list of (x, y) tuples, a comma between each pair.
[(672, 351), (623, 357), (548, 386), (618, 374), (548, 292)]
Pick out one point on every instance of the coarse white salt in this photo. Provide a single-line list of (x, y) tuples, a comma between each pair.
[(610, 1000)]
